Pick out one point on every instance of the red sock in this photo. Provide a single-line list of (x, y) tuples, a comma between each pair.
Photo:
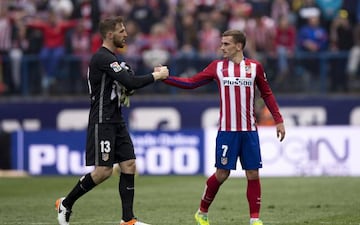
[(254, 197), (211, 188)]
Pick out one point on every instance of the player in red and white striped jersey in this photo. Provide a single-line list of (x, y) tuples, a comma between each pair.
[(236, 78)]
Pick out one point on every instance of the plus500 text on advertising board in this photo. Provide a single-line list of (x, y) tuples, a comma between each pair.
[(63, 153)]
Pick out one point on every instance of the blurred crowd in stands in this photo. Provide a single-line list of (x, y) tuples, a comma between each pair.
[(305, 45)]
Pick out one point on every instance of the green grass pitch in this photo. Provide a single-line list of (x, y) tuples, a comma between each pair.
[(172, 200)]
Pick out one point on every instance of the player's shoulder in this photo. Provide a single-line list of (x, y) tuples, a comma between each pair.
[(212, 65), (103, 55), (250, 60), (216, 62), (259, 66)]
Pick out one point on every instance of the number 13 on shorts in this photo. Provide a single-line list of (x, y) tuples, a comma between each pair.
[(105, 146)]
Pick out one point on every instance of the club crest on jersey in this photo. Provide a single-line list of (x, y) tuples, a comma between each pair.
[(116, 67), (224, 160), (105, 156), (247, 68)]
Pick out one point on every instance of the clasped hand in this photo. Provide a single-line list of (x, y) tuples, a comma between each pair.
[(160, 72)]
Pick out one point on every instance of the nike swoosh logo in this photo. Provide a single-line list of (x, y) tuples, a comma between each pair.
[(130, 188)]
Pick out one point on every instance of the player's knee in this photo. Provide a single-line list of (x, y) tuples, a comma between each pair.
[(102, 173), (252, 174), (222, 175), (107, 173), (128, 167)]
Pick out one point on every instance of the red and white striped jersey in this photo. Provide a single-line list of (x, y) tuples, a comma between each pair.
[(236, 84)]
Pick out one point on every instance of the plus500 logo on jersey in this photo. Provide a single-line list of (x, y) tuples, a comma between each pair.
[(236, 81), (62, 153)]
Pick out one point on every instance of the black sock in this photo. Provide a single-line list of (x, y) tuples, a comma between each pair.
[(84, 185), (126, 191)]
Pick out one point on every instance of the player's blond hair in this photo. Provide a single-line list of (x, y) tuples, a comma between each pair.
[(237, 35)]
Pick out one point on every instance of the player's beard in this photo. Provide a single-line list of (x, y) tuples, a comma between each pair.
[(119, 43)]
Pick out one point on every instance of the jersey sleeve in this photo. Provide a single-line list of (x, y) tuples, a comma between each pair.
[(68, 24), (267, 94), (112, 68), (202, 78), (36, 24)]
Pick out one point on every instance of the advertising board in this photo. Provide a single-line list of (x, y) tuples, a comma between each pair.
[(51, 152), (306, 151)]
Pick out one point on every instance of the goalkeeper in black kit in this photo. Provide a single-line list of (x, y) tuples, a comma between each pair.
[(108, 140)]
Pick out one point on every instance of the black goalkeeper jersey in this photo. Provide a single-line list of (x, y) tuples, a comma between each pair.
[(105, 78)]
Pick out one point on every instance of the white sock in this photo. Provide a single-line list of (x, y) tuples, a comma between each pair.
[(204, 213)]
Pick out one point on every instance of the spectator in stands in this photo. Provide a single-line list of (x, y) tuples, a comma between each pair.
[(136, 42), (95, 42), (353, 8), (239, 15), (88, 11), (160, 9), (143, 15), (20, 45), (312, 38), (285, 43), (6, 82), (329, 10), (209, 38), (154, 49), (219, 19), (260, 31), (260, 7), (341, 40), (280, 9), (26, 44), (161, 44), (353, 64), (304, 9), (186, 35), (110, 8), (61, 8), (80, 46), (54, 30), (203, 9)]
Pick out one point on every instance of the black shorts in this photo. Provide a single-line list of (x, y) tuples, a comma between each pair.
[(107, 144)]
